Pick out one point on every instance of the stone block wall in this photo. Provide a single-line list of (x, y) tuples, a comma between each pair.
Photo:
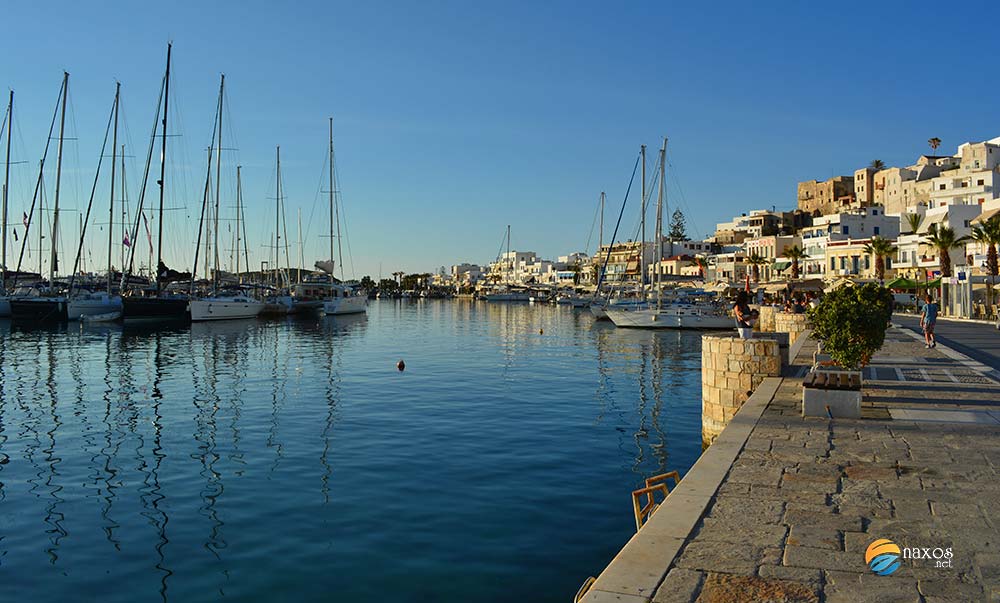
[(731, 368), (793, 324), (765, 323)]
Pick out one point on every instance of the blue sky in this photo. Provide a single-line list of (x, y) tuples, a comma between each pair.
[(454, 119)]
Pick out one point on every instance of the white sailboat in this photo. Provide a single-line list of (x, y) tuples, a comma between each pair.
[(101, 303), (220, 305), (677, 314), (342, 299)]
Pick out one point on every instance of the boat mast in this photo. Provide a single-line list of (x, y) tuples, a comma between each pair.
[(642, 245), (111, 204), (6, 187), (163, 172), (513, 266), (85, 219), (218, 185), (53, 258), (277, 214), (302, 259), (332, 205), (239, 199), (124, 201), (600, 236), (659, 226), (336, 205)]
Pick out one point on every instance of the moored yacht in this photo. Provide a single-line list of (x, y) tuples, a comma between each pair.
[(225, 307), (345, 300), (92, 304)]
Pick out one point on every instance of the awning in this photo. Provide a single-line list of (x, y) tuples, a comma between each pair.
[(812, 284), (775, 287), (779, 266), (903, 283), (986, 215), (925, 226)]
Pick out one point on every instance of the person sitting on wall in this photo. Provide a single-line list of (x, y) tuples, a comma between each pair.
[(744, 315)]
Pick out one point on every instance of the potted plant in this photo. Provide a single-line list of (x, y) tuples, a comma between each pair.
[(850, 322)]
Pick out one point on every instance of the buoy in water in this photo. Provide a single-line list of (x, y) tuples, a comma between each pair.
[(401, 365), (541, 331)]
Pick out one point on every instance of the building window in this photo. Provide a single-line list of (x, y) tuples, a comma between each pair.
[(940, 187), (980, 182), (876, 229), (833, 263), (874, 212), (845, 229)]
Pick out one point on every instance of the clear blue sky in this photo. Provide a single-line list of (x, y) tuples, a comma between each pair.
[(454, 119)]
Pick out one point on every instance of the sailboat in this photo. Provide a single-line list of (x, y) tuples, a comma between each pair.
[(156, 304), (4, 299), (678, 313), (48, 305), (507, 293), (342, 299), (221, 305), (99, 303)]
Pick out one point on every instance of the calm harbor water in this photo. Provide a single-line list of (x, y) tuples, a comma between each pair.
[(289, 460)]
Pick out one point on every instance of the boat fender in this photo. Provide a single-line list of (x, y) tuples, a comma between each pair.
[(401, 365)]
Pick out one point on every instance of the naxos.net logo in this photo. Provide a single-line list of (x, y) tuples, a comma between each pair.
[(882, 556)]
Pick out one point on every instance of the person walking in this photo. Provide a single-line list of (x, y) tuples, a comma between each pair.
[(928, 318)]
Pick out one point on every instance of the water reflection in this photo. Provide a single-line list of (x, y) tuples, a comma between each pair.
[(249, 459)]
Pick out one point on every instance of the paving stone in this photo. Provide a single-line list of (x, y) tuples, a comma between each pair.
[(850, 587), (804, 556), (720, 588), (816, 537), (719, 557), (749, 510), (812, 578), (680, 586), (947, 587), (847, 523), (736, 531)]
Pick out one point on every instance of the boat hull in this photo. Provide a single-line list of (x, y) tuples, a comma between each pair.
[(155, 309), (4, 307), (669, 319), (35, 310), (225, 309), (101, 305), (508, 297), (352, 304)]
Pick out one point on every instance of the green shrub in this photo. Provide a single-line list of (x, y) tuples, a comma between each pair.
[(851, 322)]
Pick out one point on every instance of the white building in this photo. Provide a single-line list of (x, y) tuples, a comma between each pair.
[(863, 223)]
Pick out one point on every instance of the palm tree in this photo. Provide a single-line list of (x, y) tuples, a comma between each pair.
[(756, 261), (795, 253), (913, 221), (943, 239), (877, 164), (988, 235), (934, 142), (880, 249)]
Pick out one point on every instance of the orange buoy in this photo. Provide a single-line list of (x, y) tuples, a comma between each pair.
[(401, 365)]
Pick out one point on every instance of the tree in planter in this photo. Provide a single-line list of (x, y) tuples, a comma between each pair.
[(795, 253), (851, 322), (879, 249)]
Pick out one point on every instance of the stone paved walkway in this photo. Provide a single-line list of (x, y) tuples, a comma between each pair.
[(805, 497)]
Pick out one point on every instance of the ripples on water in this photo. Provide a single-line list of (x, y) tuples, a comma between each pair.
[(289, 460)]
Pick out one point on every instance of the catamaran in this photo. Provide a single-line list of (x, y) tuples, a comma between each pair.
[(342, 298)]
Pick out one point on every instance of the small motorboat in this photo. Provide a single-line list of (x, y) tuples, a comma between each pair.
[(105, 317)]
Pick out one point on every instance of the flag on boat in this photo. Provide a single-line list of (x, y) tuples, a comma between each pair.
[(15, 234), (126, 242), (148, 235), (25, 219)]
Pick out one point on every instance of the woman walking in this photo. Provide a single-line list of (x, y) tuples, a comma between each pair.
[(928, 317)]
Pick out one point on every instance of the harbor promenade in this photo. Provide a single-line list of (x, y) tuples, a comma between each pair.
[(783, 508)]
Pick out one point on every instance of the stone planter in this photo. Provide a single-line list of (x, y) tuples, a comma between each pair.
[(836, 402), (793, 324)]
